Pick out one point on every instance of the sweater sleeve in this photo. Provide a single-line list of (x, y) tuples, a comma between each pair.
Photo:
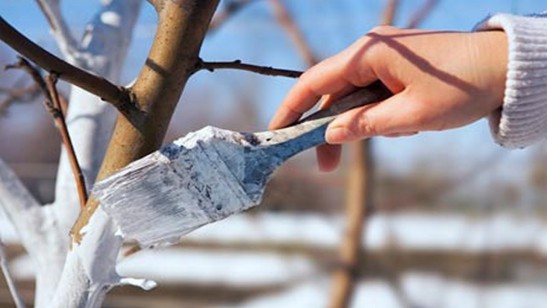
[(522, 119)]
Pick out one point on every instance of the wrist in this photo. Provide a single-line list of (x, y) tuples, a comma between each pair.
[(492, 49)]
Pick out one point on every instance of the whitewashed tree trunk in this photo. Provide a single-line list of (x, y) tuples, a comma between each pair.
[(90, 120), (81, 278), (90, 267)]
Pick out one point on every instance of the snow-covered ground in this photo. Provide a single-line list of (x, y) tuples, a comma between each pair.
[(309, 287), (242, 269), (419, 289), (408, 230)]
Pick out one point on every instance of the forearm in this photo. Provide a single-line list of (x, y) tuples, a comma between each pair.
[(522, 119)]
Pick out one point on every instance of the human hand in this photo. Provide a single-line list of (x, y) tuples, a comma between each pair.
[(440, 80)]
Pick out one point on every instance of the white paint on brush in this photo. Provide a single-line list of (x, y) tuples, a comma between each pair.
[(202, 180), (204, 177)]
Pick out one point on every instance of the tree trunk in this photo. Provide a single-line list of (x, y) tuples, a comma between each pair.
[(358, 207)]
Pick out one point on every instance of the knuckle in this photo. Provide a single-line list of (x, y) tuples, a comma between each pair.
[(305, 82), (365, 126), (304, 78)]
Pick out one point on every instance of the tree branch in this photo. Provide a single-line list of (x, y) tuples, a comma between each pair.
[(23, 94), (421, 13), (57, 112), (238, 65), (17, 299), (118, 96), (53, 105), (229, 10), (388, 16), (65, 40), (287, 22)]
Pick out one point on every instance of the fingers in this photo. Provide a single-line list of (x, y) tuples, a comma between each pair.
[(397, 115), (334, 75), (329, 99), (328, 157)]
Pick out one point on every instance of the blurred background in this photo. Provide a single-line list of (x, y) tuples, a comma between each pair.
[(450, 219)]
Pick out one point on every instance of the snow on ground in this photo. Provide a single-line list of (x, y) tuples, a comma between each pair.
[(217, 267), (202, 267), (316, 230), (420, 289), (309, 288), (429, 290), (408, 230)]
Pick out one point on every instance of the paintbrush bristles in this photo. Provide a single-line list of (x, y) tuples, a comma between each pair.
[(169, 193)]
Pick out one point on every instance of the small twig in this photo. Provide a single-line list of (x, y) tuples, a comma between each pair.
[(34, 73), (63, 103), (17, 299), (229, 10), (388, 16), (420, 15), (24, 94), (287, 22), (60, 122), (118, 96), (53, 105), (237, 64), (63, 35)]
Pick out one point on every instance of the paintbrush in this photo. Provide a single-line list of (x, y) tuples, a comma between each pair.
[(210, 174)]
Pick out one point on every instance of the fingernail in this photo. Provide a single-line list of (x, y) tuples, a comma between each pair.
[(338, 134)]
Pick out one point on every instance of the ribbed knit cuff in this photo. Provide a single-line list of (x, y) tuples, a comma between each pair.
[(522, 119)]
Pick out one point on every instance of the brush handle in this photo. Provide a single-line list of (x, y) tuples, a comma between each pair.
[(310, 131), (373, 93)]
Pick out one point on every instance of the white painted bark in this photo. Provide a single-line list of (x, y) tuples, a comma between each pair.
[(17, 299), (38, 230), (60, 30), (90, 120), (81, 278), (89, 270)]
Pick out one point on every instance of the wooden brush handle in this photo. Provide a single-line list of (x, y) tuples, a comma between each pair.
[(373, 93)]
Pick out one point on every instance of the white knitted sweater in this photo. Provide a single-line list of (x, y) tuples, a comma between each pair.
[(522, 120)]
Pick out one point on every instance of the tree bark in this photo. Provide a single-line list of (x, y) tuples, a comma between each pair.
[(358, 207)]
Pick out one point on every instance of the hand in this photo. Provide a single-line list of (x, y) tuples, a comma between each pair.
[(440, 80)]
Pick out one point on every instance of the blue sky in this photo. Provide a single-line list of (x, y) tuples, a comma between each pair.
[(329, 26)]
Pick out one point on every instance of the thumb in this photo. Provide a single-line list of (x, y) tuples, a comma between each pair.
[(395, 115)]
